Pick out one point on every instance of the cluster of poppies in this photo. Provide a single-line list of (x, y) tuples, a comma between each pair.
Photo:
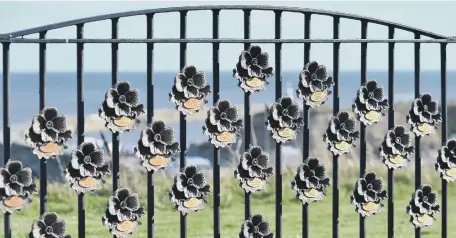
[(157, 147)]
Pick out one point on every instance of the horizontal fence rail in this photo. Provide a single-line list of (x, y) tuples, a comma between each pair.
[(226, 40), (301, 123)]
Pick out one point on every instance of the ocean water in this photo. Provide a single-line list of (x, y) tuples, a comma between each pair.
[(61, 92)]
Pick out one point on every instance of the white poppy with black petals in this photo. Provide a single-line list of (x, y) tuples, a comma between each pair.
[(253, 170), (48, 133), (253, 69), (314, 84), (87, 168), (121, 108), (370, 103), (423, 206), (123, 213), (397, 148), (368, 194), (189, 190), (222, 124), (256, 227), (446, 161), (16, 187), (310, 181), (190, 90), (284, 120), (341, 134), (49, 225), (157, 146), (424, 115)]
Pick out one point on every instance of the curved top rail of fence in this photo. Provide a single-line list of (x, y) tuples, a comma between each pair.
[(39, 29)]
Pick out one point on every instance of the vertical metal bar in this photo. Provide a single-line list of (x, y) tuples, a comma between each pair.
[(390, 126), (444, 134), (183, 118), (362, 140), (417, 138), (216, 97), (114, 80), (6, 124), (150, 117), (115, 136), (80, 123), (335, 211), (306, 141), (278, 94), (42, 91), (247, 116)]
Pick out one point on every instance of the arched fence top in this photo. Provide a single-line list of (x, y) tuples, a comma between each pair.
[(49, 27)]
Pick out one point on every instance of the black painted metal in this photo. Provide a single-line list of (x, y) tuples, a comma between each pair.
[(390, 126), (278, 94), (13, 37), (362, 141), (216, 97), (222, 40), (80, 123), (417, 138), (6, 124), (220, 7), (335, 185), (443, 87), (150, 118), (42, 92), (306, 141), (114, 80), (183, 118), (247, 116)]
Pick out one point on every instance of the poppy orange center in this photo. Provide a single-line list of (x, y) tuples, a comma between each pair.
[(223, 115), (190, 181), (123, 204), (370, 187), (190, 82), (425, 199), (371, 95), (255, 162), (342, 126), (157, 137), (285, 112), (256, 229), (398, 140), (254, 61)]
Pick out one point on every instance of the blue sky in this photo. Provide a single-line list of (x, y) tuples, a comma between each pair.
[(433, 16)]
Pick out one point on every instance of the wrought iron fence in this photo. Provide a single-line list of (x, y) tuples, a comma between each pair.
[(48, 136)]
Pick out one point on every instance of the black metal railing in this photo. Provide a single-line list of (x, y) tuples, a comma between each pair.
[(17, 38)]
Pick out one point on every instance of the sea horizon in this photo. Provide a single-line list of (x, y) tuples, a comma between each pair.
[(61, 92)]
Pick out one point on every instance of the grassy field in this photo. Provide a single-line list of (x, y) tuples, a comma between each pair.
[(64, 201)]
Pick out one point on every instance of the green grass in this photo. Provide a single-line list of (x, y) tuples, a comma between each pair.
[(64, 201)]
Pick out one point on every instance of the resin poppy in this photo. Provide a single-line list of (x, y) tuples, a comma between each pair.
[(253, 69), (341, 134), (397, 148), (222, 124), (256, 227), (121, 108), (16, 187), (48, 134), (189, 190), (253, 170), (368, 194), (424, 115), (284, 120), (310, 181), (49, 225), (423, 206), (446, 161), (190, 90), (370, 103), (87, 168), (123, 213), (314, 84), (157, 146)]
